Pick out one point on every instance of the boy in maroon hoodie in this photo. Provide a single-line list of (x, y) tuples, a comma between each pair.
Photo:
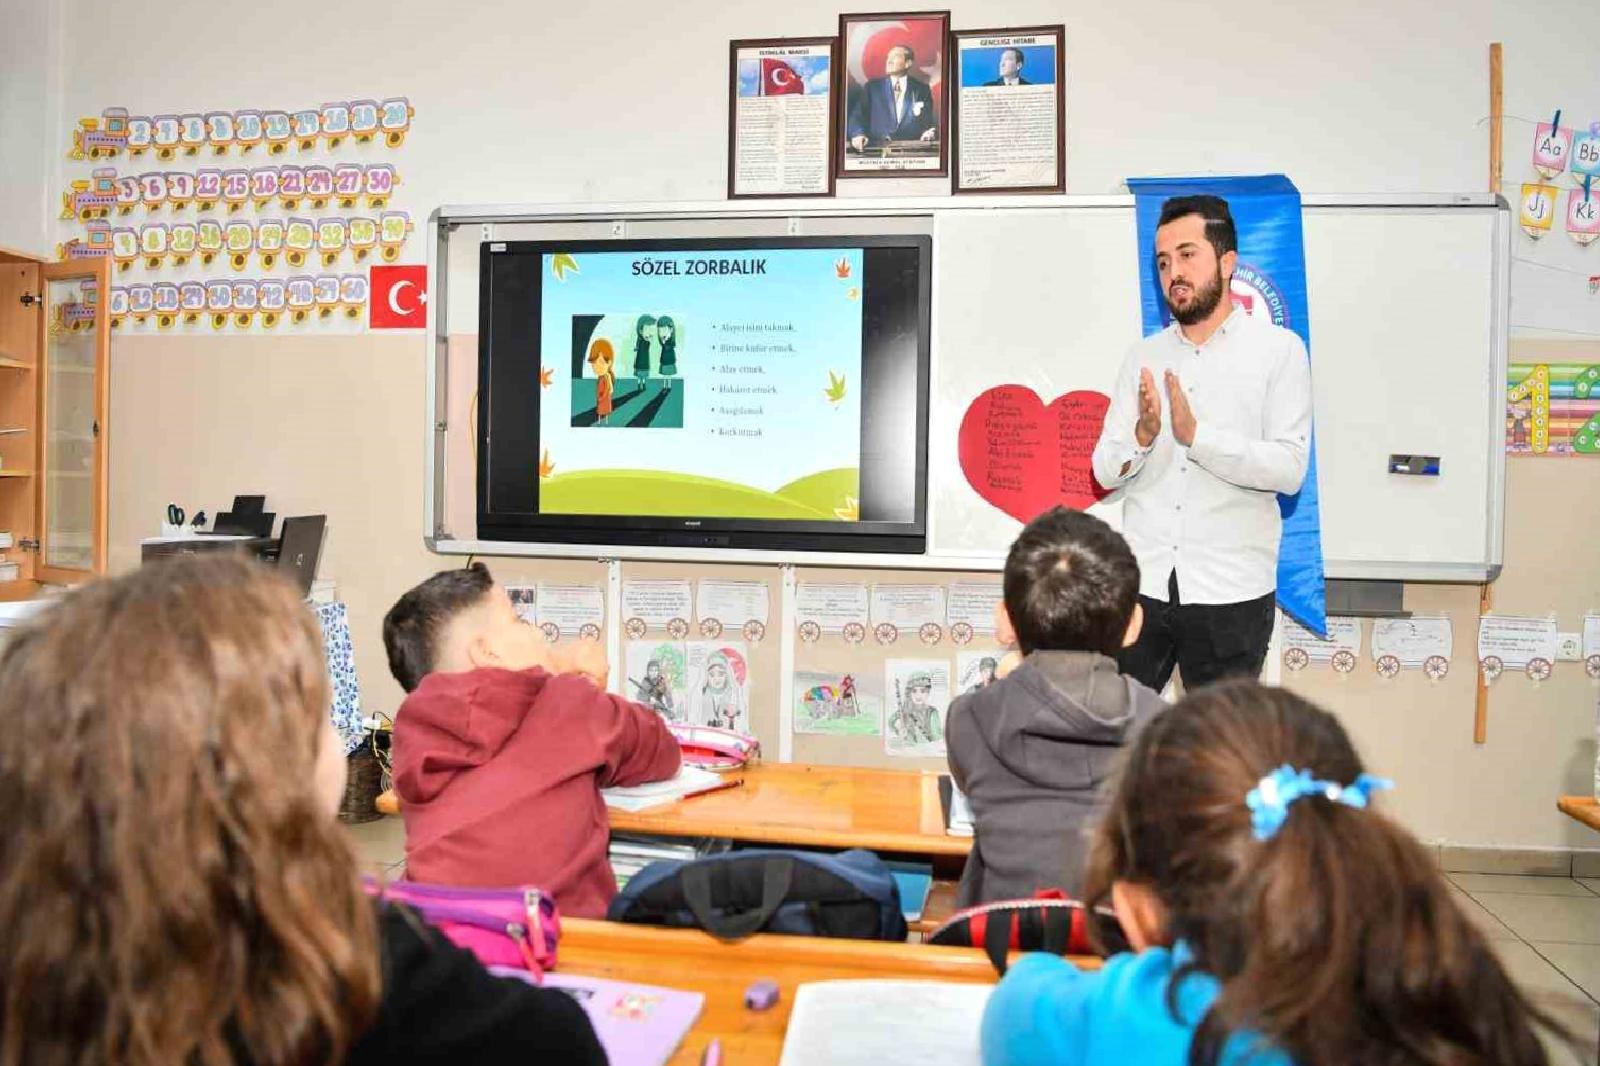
[(503, 745)]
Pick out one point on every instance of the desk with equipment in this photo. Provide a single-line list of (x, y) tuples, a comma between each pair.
[(247, 527)]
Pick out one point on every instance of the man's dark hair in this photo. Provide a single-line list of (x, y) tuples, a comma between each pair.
[(1220, 231), (1016, 52), (911, 53), (413, 625), (1071, 584)]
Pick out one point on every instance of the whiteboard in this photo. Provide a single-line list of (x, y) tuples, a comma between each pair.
[(1408, 307)]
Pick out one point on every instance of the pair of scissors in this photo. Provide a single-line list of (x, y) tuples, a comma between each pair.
[(175, 515)]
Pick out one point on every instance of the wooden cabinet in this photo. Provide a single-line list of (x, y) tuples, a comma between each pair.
[(55, 339)]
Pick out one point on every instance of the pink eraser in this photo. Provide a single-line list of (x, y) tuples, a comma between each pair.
[(761, 995)]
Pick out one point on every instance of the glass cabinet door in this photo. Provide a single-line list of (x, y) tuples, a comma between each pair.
[(72, 416)]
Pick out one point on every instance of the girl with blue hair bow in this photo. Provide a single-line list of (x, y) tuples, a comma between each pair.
[(1274, 917)]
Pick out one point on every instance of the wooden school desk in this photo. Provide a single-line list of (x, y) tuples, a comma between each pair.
[(806, 805), (693, 961), (1582, 808)]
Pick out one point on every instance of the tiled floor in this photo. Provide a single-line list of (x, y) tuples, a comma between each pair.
[(1545, 929)]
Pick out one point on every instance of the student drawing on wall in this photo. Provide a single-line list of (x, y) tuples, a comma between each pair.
[(847, 704), (667, 337), (985, 678), (654, 691), (644, 335), (916, 720), (601, 360), (721, 695)]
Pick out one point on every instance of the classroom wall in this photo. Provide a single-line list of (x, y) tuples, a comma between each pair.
[(30, 94), (1541, 737), (627, 102)]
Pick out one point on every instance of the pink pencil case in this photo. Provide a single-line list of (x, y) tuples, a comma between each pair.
[(516, 927)]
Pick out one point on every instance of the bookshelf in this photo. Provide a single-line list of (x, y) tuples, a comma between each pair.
[(54, 342)]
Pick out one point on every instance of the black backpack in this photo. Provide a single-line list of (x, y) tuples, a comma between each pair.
[(732, 895)]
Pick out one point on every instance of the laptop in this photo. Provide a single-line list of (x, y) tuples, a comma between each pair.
[(300, 549)]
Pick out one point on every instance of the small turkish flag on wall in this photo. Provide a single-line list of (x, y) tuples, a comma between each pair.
[(399, 297)]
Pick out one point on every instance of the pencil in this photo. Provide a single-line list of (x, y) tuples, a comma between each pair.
[(720, 786)]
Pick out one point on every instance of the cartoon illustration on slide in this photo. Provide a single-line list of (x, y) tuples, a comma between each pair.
[(667, 337), (601, 361), (634, 342), (644, 337), (561, 263), (835, 391)]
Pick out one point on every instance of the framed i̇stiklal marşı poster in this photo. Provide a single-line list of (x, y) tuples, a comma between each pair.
[(780, 118)]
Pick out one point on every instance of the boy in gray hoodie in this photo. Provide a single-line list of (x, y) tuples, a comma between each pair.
[(1032, 749)]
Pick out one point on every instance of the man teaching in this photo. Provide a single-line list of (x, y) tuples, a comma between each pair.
[(895, 107), (1209, 421)]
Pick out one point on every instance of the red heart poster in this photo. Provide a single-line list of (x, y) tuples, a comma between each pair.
[(1025, 457)]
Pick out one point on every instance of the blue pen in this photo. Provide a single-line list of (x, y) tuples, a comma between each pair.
[(713, 1055)]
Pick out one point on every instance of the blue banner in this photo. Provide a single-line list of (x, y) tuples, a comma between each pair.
[(1271, 280)]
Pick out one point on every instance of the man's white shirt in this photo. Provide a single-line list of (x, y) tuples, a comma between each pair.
[(1210, 511)]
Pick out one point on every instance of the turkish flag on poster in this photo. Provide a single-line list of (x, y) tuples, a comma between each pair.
[(779, 79), (399, 297)]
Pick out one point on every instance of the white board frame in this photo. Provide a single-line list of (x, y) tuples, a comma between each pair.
[(443, 221)]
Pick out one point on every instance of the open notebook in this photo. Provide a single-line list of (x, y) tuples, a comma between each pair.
[(687, 781), (869, 1023), (638, 1025)]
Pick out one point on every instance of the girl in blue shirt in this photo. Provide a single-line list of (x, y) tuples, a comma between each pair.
[(1275, 919)]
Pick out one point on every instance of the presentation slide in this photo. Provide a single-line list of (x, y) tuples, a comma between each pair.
[(717, 384)]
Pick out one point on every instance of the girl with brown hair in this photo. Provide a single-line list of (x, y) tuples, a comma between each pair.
[(1275, 918), (173, 886)]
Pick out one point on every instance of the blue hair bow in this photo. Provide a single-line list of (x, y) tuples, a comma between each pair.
[(1270, 800)]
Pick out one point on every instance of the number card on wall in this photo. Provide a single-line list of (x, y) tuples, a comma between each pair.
[(254, 211)]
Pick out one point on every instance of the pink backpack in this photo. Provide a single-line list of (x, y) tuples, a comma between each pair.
[(514, 927)]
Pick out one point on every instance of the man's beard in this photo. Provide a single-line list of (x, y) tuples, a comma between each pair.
[(1200, 307)]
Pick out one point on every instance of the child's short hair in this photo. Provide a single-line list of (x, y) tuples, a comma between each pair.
[(413, 625), (1332, 932), (1071, 584)]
